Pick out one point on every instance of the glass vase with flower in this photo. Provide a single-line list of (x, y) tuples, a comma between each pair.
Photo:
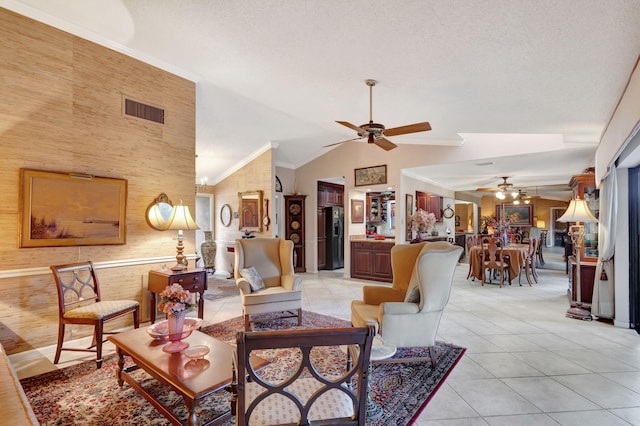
[(422, 222), (175, 301)]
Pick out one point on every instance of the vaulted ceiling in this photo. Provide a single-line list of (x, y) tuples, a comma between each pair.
[(279, 73)]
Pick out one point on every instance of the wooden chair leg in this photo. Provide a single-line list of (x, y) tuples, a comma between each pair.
[(432, 354), (98, 336), (300, 316), (56, 359), (247, 325)]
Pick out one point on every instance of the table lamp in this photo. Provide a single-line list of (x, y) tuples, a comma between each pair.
[(180, 220), (578, 211)]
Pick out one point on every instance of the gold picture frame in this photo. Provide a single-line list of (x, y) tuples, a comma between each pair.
[(409, 212), (375, 175), (71, 209)]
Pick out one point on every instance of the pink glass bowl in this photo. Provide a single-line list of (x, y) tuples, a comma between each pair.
[(160, 330)]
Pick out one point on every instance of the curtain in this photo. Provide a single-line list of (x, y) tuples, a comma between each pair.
[(602, 304)]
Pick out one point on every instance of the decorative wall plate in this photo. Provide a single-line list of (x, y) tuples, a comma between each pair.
[(295, 225), (295, 238), (294, 209)]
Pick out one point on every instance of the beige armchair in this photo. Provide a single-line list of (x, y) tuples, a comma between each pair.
[(265, 275), (412, 320)]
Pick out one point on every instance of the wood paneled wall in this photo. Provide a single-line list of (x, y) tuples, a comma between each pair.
[(61, 110)]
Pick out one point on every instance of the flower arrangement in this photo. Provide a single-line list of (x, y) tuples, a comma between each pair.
[(495, 224), (175, 299), (422, 221)]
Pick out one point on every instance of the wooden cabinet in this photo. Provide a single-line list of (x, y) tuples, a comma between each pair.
[(371, 261), (587, 277), (194, 280), (430, 203), (294, 224)]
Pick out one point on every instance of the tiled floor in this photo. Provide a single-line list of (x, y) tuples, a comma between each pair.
[(526, 363)]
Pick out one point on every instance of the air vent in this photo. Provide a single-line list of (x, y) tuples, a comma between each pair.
[(146, 112)]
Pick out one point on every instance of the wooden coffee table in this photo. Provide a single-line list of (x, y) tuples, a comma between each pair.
[(193, 384)]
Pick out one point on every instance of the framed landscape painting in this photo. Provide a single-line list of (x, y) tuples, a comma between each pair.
[(71, 209), (517, 215), (371, 175)]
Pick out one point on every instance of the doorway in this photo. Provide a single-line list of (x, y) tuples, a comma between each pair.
[(558, 229), (330, 220)]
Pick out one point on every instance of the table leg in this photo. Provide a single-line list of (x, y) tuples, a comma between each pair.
[(201, 305), (152, 307), (192, 418), (120, 366)]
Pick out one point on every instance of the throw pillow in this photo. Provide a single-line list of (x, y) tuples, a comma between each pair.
[(255, 280)]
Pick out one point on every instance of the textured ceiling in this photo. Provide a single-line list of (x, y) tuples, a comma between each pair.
[(281, 72)]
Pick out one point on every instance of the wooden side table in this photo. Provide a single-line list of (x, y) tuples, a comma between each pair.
[(194, 280)]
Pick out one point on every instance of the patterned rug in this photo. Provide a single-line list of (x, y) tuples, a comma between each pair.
[(83, 395)]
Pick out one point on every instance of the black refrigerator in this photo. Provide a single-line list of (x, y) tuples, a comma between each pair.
[(334, 220)]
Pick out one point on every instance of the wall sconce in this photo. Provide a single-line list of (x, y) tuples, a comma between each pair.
[(578, 211), (180, 220)]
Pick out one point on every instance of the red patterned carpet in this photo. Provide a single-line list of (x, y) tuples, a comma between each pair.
[(83, 395)]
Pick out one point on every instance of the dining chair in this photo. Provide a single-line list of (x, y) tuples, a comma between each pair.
[(79, 302), (542, 242), (529, 264), (472, 241), (493, 261)]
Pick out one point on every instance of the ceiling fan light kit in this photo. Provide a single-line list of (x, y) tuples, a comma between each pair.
[(375, 133)]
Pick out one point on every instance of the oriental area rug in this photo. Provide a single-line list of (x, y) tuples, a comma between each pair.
[(84, 395)]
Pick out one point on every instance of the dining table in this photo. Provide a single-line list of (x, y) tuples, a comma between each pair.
[(517, 254)]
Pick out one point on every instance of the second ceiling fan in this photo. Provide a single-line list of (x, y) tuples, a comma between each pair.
[(375, 132)]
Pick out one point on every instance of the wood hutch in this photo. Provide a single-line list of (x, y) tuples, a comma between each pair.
[(584, 187)]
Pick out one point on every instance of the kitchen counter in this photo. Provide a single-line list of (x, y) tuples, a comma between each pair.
[(364, 238)]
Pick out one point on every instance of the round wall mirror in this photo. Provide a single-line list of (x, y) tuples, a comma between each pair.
[(159, 211)]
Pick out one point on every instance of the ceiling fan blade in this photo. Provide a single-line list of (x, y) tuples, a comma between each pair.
[(411, 128), (338, 143), (351, 126), (385, 144), (487, 189)]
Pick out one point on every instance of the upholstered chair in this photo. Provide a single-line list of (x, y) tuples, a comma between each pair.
[(265, 276), (403, 258), (414, 319)]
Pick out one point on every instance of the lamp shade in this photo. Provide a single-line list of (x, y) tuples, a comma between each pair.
[(541, 224), (181, 219), (578, 211)]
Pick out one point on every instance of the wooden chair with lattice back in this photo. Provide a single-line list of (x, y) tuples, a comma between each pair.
[(307, 395), (493, 261), (79, 302)]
